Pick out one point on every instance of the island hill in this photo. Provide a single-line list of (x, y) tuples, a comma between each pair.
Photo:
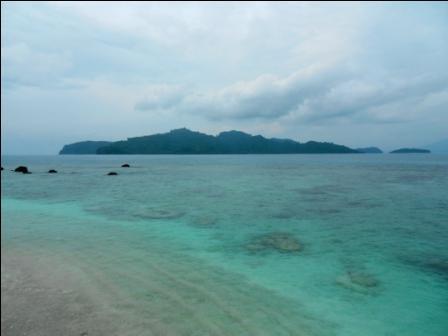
[(184, 141)]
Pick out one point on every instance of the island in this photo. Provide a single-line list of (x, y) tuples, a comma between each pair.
[(369, 150), (83, 147), (410, 150), (185, 141)]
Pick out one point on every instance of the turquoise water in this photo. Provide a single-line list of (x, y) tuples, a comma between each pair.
[(174, 235)]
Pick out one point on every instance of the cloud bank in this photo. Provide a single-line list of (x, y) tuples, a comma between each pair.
[(353, 73)]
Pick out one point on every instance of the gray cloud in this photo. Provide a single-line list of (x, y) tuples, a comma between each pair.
[(21, 65), (314, 71), (160, 97), (367, 100), (266, 97), (312, 95)]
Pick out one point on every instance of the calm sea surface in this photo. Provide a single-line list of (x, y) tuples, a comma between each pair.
[(245, 245)]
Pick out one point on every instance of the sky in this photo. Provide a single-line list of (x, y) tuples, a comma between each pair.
[(357, 74)]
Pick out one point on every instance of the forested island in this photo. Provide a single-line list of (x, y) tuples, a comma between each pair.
[(185, 141)]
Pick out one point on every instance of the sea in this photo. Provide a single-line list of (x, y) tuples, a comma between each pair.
[(344, 245)]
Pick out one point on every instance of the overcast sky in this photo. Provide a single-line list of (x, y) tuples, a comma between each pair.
[(351, 73)]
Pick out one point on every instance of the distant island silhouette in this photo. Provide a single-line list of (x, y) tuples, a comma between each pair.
[(410, 150), (185, 141)]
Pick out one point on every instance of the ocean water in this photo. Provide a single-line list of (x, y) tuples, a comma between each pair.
[(244, 245)]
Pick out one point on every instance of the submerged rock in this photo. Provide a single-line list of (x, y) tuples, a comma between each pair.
[(126, 165), (433, 264), (326, 211), (361, 282), (363, 279), (52, 171), (159, 214), (204, 221), (112, 174), (22, 169), (439, 266), (283, 214), (278, 241)]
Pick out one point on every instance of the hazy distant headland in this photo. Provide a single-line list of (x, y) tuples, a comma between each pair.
[(84, 147), (185, 141), (370, 150)]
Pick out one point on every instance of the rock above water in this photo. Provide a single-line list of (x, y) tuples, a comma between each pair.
[(22, 169), (278, 241), (112, 174), (126, 165), (52, 171)]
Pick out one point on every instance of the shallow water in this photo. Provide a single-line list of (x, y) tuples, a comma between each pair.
[(189, 241)]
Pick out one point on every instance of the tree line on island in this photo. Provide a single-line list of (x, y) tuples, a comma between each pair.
[(185, 141)]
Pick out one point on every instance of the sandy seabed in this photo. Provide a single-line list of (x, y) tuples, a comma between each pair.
[(45, 295)]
